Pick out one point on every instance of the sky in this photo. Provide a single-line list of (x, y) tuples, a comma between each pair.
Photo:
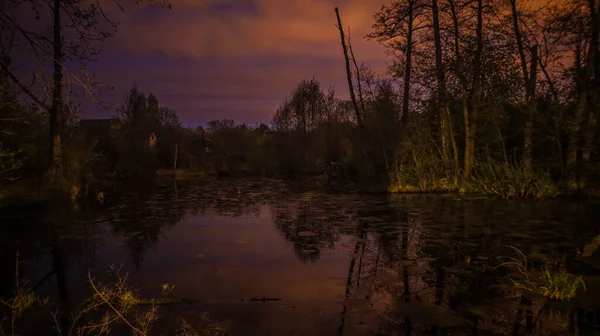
[(236, 59)]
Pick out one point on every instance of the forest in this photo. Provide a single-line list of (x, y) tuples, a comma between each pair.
[(488, 97)]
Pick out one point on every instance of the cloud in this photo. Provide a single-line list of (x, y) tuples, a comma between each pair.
[(235, 58), (225, 30)]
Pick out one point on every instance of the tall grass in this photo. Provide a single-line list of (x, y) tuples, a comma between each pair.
[(111, 307), (556, 285), (418, 164), (23, 299), (509, 180), (560, 285)]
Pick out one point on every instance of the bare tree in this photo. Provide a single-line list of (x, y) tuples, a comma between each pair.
[(475, 97), (448, 142), (395, 26), (359, 117), (529, 83), (576, 25)]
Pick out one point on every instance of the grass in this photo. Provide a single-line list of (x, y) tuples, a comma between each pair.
[(111, 307), (556, 285), (22, 301), (421, 169), (419, 174), (560, 285), (509, 181), (122, 305)]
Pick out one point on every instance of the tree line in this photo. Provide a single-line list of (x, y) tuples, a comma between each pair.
[(497, 97)]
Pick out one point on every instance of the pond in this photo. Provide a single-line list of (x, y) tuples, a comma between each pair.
[(268, 258)]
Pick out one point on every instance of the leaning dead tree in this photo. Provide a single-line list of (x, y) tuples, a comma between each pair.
[(357, 110), (359, 119)]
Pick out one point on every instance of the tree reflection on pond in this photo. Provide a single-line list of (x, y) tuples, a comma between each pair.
[(342, 264)]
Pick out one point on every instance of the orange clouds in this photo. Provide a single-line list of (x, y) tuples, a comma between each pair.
[(222, 29), (213, 59)]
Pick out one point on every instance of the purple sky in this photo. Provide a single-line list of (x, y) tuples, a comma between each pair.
[(237, 59)]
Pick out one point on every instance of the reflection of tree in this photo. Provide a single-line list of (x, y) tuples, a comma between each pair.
[(53, 229), (453, 269), (445, 256), (394, 242), (353, 280), (141, 219), (306, 223)]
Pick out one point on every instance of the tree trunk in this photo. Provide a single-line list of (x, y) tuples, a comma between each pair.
[(447, 140), (470, 118), (588, 133), (454, 148), (577, 155), (366, 143), (529, 82), (359, 119), (175, 159), (468, 163), (56, 107), (572, 183), (468, 123), (591, 119), (531, 110), (408, 66)]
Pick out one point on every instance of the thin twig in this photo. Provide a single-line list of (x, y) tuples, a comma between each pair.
[(110, 305)]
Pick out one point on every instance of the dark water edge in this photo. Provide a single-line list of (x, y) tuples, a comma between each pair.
[(340, 263)]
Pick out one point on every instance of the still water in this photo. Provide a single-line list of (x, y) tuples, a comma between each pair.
[(267, 258)]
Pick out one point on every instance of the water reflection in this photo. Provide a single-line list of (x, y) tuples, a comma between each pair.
[(347, 264)]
